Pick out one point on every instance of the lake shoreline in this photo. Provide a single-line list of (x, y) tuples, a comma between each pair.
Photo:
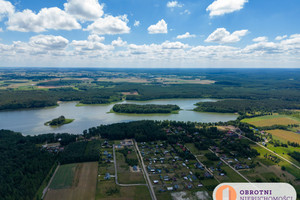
[(31, 121)]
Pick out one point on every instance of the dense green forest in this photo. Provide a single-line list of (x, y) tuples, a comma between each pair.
[(59, 121), (84, 151), (142, 131), (246, 106), (23, 166), (144, 109), (60, 83)]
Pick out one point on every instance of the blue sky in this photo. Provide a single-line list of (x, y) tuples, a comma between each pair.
[(150, 33)]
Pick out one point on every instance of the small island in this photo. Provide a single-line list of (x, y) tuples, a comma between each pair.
[(145, 109), (59, 121)]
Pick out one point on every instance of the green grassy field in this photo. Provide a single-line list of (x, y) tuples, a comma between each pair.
[(232, 175), (108, 190), (270, 120), (124, 174), (193, 149), (64, 177), (285, 136), (289, 168), (283, 151)]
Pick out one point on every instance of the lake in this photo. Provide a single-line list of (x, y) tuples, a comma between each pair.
[(31, 121)]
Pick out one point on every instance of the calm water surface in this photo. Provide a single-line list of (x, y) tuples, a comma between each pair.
[(31, 122)]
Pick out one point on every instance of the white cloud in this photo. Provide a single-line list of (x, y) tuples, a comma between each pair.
[(6, 8), (136, 23), (1, 30), (43, 50), (186, 35), (160, 27), (281, 37), (174, 4), (46, 19), (86, 10), (109, 25), (92, 44), (221, 35), (173, 45), (185, 12), (221, 7), (260, 39), (48, 42), (119, 42), (292, 43), (96, 38), (262, 47)]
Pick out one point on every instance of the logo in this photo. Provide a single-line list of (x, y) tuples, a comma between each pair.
[(225, 192), (246, 191)]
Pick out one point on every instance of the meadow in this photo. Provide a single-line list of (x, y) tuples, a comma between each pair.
[(285, 136), (271, 120), (83, 183), (64, 176)]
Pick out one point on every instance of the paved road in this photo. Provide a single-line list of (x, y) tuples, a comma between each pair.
[(116, 173), (271, 151), (231, 166), (146, 173)]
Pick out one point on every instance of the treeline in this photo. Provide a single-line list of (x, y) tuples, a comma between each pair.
[(85, 151), (63, 138), (131, 162), (19, 99), (245, 106), (60, 83), (23, 166), (241, 147), (144, 109), (295, 155), (142, 131)]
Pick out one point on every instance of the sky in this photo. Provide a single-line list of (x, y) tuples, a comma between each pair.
[(150, 33)]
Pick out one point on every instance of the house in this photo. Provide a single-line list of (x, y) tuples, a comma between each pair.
[(155, 181), (135, 168), (107, 176), (126, 142), (170, 188)]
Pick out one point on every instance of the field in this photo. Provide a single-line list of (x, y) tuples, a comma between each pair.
[(83, 183), (125, 176), (108, 190), (271, 120), (285, 135), (64, 176)]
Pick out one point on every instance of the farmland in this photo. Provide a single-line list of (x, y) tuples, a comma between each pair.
[(271, 120), (285, 135), (83, 183), (64, 176)]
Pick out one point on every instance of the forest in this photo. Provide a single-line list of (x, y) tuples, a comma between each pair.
[(84, 151), (23, 166), (246, 106), (144, 109), (142, 131)]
